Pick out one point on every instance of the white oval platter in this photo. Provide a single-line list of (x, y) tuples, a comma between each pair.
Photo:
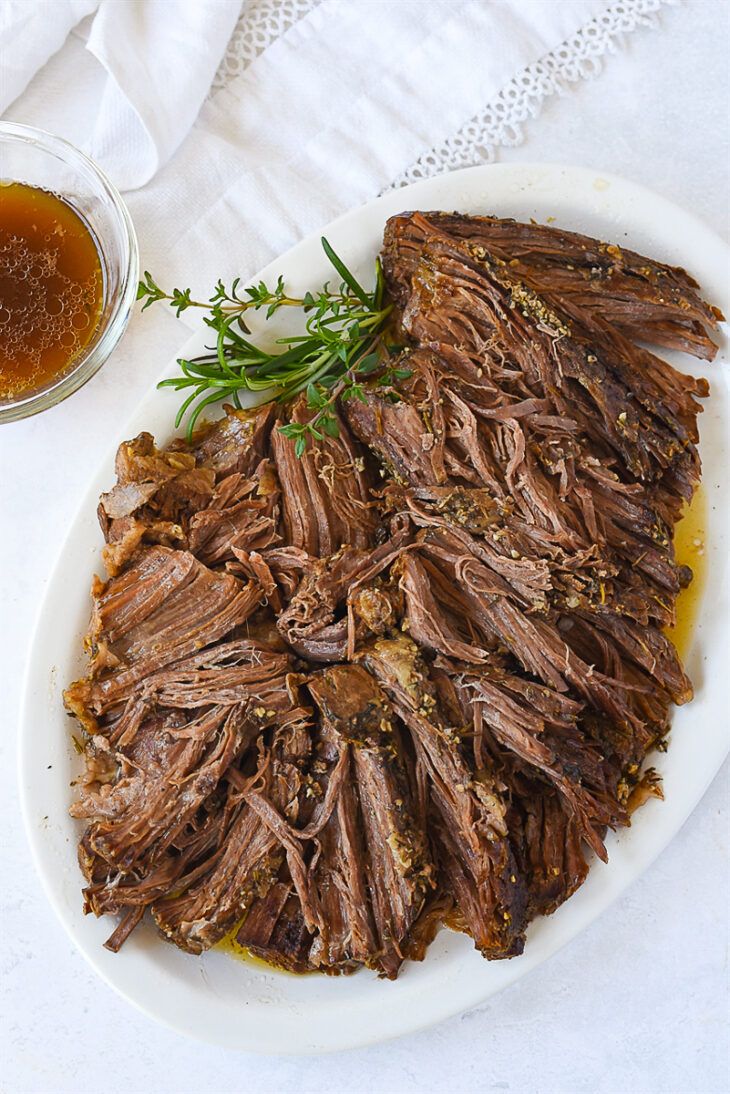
[(239, 1005)]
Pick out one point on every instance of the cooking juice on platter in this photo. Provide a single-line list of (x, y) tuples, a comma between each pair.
[(51, 288)]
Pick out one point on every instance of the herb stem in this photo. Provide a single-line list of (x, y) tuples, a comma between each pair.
[(342, 344)]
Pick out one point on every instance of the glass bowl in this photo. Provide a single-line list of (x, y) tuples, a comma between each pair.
[(39, 159)]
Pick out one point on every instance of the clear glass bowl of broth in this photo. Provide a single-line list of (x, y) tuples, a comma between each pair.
[(69, 268)]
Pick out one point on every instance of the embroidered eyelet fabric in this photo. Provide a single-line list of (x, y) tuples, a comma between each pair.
[(500, 123), (260, 23)]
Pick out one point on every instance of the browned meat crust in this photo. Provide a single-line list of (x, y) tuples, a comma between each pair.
[(411, 678)]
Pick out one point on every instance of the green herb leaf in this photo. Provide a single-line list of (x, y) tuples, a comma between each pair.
[(345, 274), (147, 288), (330, 427), (369, 363)]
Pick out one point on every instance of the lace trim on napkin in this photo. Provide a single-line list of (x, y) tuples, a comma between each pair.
[(260, 23), (499, 123)]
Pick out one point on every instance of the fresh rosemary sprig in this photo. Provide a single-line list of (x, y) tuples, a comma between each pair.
[(343, 344)]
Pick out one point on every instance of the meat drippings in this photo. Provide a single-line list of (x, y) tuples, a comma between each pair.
[(689, 549), (51, 288)]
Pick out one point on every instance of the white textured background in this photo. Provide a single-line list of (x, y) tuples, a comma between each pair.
[(639, 1003)]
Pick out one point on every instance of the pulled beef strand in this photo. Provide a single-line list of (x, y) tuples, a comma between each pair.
[(411, 678)]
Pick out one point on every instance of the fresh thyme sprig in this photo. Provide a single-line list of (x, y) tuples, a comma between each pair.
[(343, 344), (223, 302)]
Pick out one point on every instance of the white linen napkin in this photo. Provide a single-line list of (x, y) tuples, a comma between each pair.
[(159, 57)]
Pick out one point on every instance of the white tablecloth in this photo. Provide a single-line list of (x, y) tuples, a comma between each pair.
[(639, 1002)]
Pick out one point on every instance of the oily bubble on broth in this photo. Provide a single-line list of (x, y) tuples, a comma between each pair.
[(54, 308)]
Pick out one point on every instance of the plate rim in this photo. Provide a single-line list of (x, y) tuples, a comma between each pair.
[(583, 916)]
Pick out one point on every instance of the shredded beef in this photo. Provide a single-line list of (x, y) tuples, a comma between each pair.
[(410, 678)]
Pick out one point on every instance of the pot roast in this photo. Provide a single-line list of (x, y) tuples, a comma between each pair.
[(411, 678)]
